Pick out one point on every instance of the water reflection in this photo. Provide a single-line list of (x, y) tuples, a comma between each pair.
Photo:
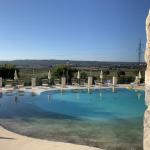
[(9, 93), (49, 97), (100, 94), (77, 96), (89, 91), (62, 91), (21, 93), (33, 94), (16, 99), (1, 95), (113, 89), (139, 95)]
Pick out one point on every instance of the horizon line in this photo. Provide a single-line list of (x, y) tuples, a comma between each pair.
[(68, 60)]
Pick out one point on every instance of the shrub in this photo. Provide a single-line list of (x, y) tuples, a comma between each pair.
[(125, 79)]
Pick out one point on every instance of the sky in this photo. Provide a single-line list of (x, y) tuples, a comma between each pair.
[(99, 30)]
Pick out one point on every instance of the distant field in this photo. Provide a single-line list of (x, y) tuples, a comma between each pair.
[(48, 63), (42, 73)]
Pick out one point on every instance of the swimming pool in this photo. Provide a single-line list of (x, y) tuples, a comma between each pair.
[(100, 118)]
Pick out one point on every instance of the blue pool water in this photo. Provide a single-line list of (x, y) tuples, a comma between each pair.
[(101, 118), (99, 105)]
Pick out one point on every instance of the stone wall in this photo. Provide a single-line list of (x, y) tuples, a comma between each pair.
[(1, 81), (63, 82), (33, 82), (146, 141)]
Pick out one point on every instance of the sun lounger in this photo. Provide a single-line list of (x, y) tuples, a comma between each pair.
[(74, 82), (82, 83), (57, 82), (98, 83), (9, 85)]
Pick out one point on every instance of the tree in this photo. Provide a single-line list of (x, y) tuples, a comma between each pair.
[(106, 72), (84, 75), (120, 73), (63, 70), (7, 71), (125, 79)]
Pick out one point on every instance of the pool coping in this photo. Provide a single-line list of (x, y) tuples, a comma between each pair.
[(39, 89), (10, 140)]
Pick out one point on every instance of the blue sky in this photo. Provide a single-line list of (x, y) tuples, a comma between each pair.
[(103, 30)]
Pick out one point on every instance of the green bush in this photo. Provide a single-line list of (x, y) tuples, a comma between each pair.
[(106, 72), (7, 71), (120, 73), (63, 70), (84, 75), (126, 79)]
